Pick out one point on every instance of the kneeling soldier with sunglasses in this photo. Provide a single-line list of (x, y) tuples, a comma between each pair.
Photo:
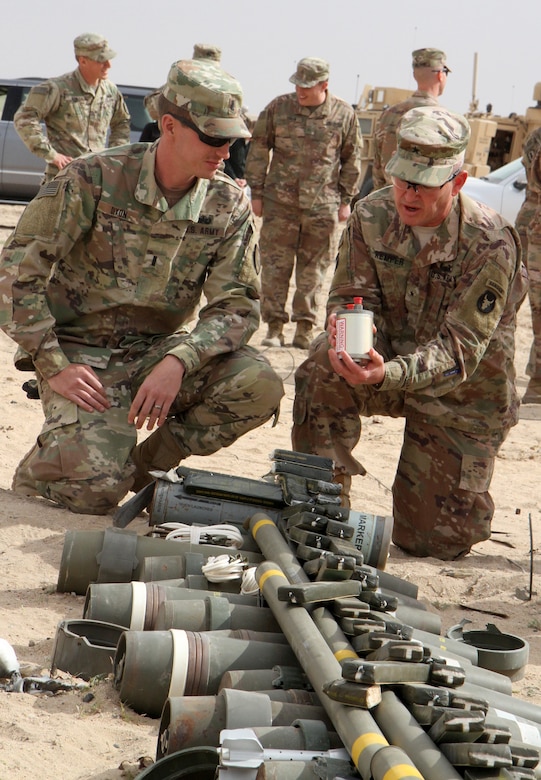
[(100, 284)]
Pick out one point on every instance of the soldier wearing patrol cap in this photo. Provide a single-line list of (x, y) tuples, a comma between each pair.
[(430, 73), (79, 109), (207, 51), (443, 276), (303, 168), (129, 242)]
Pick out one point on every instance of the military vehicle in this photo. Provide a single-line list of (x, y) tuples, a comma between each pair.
[(372, 102), (498, 138)]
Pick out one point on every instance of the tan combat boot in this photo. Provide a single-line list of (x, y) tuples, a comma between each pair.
[(159, 452), (303, 335), (274, 337), (533, 392), (345, 481)]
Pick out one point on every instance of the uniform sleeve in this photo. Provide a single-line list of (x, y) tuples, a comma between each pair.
[(378, 173), (232, 288), (120, 123), (491, 287), (46, 231), (259, 149), (350, 161), (42, 100)]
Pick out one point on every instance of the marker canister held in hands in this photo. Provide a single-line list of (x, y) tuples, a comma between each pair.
[(354, 330)]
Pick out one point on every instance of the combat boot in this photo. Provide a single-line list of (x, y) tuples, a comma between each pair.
[(159, 452), (303, 335), (274, 337), (345, 481), (533, 392)]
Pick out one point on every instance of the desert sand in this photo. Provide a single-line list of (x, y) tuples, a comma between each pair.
[(62, 736)]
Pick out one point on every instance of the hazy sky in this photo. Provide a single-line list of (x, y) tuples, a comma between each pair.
[(365, 41)]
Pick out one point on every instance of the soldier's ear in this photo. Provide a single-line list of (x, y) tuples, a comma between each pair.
[(167, 124), (459, 182)]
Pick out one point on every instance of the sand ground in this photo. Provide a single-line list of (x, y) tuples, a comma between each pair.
[(63, 736)]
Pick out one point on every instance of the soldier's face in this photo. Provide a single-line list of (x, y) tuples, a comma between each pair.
[(312, 96), (92, 70), (426, 206), (196, 157)]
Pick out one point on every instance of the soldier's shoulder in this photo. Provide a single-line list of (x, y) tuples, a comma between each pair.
[(482, 217), (221, 181), (280, 100), (379, 201), (342, 104)]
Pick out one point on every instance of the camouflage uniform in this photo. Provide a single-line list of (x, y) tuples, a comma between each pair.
[(101, 271), (385, 134), (445, 317), (76, 116), (528, 224), (423, 61), (315, 165)]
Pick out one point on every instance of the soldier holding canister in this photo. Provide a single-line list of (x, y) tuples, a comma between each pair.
[(444, 278)]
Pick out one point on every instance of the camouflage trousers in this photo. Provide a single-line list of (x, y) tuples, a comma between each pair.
[(533, 264), (441, 503), (83, 460), (300, 240)]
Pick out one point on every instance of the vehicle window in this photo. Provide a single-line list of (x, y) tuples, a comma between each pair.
[(365, 125), (3, 95), (138, 113)]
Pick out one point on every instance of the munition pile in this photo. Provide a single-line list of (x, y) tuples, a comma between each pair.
[(332, 669)]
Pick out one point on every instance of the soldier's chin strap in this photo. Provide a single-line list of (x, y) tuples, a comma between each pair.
[(128, 511)]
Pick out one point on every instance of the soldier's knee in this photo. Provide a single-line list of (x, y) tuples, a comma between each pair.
[(97, 496)]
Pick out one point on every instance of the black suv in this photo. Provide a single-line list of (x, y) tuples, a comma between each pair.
[(20, 170)]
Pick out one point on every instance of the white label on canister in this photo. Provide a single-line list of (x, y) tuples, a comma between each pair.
[(354, 333)]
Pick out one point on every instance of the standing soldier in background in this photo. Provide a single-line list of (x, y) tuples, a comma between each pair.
[(207, 51), (430, 72), (528, 224), (78, 108), (314, 173)]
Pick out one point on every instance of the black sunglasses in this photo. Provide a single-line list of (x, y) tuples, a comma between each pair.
[(445, 70), (209, 140)]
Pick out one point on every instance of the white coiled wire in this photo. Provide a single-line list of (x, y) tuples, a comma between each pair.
[(203, 534)]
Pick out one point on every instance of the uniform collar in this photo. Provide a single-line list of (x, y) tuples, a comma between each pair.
[(147, 192)]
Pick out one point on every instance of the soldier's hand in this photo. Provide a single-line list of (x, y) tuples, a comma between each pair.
[(80, 384), (158, 391), (344, 211), (371, 372), (61, 160), (257, 207)]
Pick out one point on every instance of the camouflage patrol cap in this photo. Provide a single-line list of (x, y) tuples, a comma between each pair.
[(93, 46), (150, 102), (207, 51), (310, 71), (211, 96), (431, 146), (429, 58)]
